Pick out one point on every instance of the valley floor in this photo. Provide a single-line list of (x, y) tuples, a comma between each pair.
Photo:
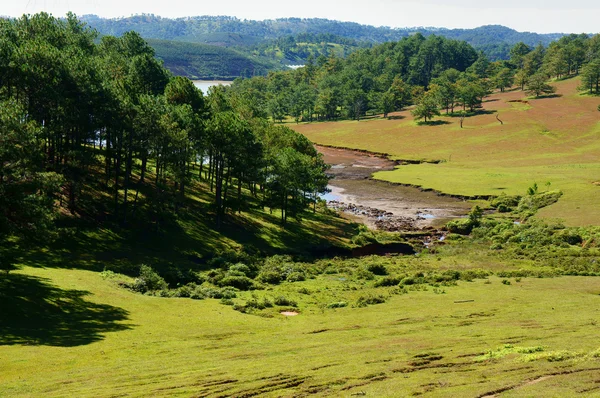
[(531, 337)]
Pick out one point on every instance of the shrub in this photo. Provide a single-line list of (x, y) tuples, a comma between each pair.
[(269, 276), (570, 237), (226, 301), (239, 282), (364, 301), (283, 301), (461, 227), (253, 304), (148, 280), (388, 281), (362, 273), (377, 269), (202, 292), (183, 291), (532, 202), (339, 304), (304, 290), (240, 269), (296, 277), (505, 201)]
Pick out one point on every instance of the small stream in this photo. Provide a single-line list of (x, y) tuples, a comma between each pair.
[(380, 204)]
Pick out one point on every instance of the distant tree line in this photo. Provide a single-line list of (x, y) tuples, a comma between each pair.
[(101, 130), (433, 73)]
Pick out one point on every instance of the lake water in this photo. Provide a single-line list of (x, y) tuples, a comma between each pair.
[(204, 85)]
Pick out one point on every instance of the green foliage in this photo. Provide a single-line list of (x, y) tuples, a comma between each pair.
[(537, 85), (237, 281), (388, 281), (505, 203), (534, 201), (427, 108), (148, 280), (337, 304), (364, 301), (253, 305), (465, 226), (283, 301)]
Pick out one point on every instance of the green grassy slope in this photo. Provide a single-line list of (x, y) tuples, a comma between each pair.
[(90, 338), (553, 140)]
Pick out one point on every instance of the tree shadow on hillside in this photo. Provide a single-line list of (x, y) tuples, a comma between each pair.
[(396, 117), (433, 123), (34, 312), (546, 96)]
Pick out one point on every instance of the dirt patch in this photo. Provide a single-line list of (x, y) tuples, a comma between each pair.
[(289, 313)]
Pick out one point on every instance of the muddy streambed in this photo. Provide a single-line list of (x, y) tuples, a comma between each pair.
[(379, 204)]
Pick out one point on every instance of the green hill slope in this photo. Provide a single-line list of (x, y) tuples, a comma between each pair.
[(203, 61)]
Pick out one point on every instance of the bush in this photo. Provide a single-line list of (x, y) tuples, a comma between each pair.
[(362, 273), (148, 280), (270, 276), (240, 269), (339, 304), (388, 281), (363, 301), (278, 268), (183, 291), (202, 292), (296, 277), (239, 282), (461, 227), (283, 301), (253, 304), (377, 269), (535, 201), (505, 203), (226, 301), (175, 276), (570, 237)]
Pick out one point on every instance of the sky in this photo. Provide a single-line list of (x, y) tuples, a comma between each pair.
[(542, 16)]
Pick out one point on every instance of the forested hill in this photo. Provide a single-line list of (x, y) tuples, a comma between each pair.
[(225, 31), (203, 61)]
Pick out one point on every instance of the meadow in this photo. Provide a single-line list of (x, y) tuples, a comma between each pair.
[(81, 334), (551, 141)]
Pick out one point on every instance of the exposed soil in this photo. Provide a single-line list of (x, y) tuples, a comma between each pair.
[(381, 205), (289, 313)]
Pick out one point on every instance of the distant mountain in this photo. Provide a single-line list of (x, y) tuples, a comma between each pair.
[(227, 31), (261, 40)]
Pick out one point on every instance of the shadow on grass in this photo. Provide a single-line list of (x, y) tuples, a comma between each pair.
[(546, 96), (33, 312), (433, 123), (396, 117), (475, 112)]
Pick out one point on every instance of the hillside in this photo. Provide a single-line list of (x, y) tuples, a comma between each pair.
[(550, 141), (202, 61), (229, 31)]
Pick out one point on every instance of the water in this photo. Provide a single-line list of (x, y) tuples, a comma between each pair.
[(351, 183), (204, 85), (334, 194)]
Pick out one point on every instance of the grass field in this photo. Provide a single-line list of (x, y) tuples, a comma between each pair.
[(460, 318), (547, 140), (82, 335)]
